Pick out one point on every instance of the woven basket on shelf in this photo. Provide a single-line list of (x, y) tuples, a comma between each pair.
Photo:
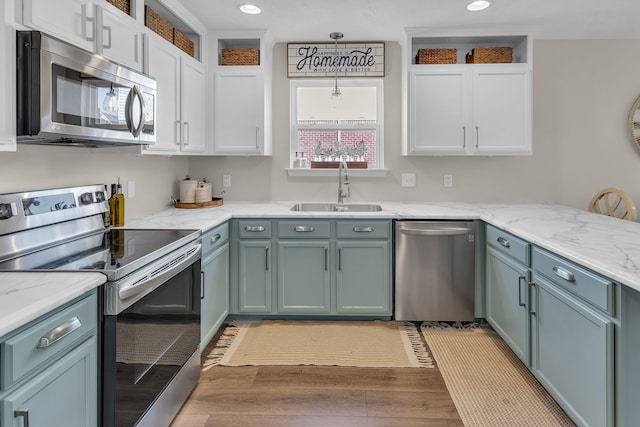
[(158, 24), (240, 57), (182, 41), (490, 55), (437, 56), (123, 5)]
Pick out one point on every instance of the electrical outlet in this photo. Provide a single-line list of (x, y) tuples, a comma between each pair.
[(448, 180), (226, 180), (408, 179), (131, 189)]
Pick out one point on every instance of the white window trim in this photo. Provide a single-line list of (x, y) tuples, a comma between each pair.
[(294, 84)]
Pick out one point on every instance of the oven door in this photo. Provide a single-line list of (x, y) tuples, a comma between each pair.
[(146, 346)]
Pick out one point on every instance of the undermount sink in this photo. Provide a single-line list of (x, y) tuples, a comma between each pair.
[(336, 207)]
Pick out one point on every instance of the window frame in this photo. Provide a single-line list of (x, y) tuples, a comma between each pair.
[(378, 83)]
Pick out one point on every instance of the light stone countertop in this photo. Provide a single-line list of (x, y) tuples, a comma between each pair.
[(606, 245), (25, 296), (609, 246)]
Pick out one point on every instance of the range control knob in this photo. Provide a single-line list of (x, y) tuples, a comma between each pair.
[(100, 196), (7, 210), (86, 198)]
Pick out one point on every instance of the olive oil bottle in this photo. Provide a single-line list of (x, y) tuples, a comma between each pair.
[(116, 205)]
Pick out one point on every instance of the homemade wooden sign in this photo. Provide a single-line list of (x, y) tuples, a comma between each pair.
[(350, 59)]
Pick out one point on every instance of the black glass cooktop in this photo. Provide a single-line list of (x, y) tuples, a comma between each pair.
[(107, 251)]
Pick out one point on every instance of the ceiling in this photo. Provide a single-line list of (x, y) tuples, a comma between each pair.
[(313, 20)]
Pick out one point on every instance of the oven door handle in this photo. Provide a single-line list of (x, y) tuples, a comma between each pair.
[(158, 274)]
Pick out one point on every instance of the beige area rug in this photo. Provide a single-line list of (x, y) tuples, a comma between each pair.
[(488, 383), (375, 344)]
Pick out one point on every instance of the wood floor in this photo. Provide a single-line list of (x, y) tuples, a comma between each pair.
[(318, 396)]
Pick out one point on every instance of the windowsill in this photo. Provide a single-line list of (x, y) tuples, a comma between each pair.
[(379, 172)]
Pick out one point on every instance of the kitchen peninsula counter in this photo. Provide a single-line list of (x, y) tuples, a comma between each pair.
[(25, 296)]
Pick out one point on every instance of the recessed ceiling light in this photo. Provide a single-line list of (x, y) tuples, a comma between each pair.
[(250, 9), (478, 5)]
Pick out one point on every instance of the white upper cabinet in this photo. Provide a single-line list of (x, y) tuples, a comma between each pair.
[(181, 104), (7, 78), (70, 20), (238, 112), (241, 93), (193, 106), (116, 39), (95, 26), (460, 108)]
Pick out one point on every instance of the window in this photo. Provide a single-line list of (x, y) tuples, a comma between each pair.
[(329, 128)]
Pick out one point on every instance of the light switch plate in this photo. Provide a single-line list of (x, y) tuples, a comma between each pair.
[(408, 179), (448, 180), (226, 180), (131, 189)]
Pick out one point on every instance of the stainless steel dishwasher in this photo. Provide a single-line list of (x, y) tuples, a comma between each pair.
[(434, 270)]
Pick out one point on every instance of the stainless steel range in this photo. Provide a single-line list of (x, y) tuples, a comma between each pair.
[(150, 304)]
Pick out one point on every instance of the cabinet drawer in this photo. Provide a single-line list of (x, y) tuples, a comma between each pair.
[(28, 350), (254, 229), (509, 244), (589, 286), (213, 239), (364, 229), (301, 229)]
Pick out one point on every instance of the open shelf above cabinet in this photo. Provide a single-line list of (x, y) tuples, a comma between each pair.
[(464, 44), (181, 34)]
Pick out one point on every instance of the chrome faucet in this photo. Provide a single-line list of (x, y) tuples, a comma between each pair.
[(341, 193)]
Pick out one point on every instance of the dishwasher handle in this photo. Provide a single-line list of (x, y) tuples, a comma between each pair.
[(437, 231)]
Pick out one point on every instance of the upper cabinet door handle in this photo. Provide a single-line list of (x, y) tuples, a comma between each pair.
[(566, 275), (504, 242)]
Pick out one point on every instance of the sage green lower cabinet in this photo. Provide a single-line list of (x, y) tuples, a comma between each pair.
[(254, 277), (507, 307), (215, 282), (65, 394), (573, 354), (311, 267), (304, 279), (363, 277), (55, 383)]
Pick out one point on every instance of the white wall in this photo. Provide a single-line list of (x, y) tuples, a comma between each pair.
[(37, 167), (583, 90)]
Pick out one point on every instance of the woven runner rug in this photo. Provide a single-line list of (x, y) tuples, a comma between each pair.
[(489, 385), (374, 344)]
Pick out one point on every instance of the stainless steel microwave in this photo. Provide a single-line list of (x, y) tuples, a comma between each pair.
[(70, 96)]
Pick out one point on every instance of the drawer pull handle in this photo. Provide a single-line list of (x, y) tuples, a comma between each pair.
[(24, 413), (363, 229), (303, 229), (566, 275), (504, 242), (254, 228), (215, 238), (59, 332)]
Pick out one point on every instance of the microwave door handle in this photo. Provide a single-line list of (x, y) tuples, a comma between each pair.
[(135, 131)]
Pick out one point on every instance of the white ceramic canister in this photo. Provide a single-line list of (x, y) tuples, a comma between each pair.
[(203, 192), (188, 190)]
